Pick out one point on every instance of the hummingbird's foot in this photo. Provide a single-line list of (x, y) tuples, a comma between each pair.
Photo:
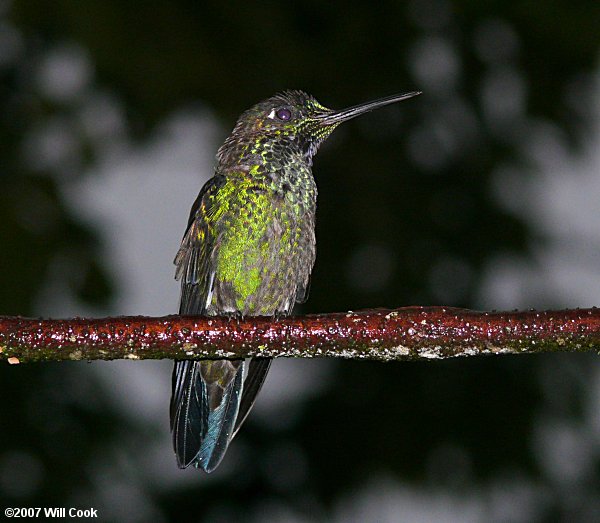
[(234, 315), (279, 315)]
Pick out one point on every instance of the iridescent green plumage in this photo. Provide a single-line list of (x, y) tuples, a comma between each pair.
[(248, 250)]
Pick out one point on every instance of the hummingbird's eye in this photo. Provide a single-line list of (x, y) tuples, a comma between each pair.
[(283, 114)]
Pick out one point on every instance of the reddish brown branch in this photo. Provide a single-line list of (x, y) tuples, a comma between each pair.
[(409, 333)]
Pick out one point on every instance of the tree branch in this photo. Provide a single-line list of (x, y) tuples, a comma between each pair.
[(409, 333)]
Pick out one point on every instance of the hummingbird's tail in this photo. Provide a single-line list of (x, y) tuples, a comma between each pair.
[(204, 409), (210, 401)]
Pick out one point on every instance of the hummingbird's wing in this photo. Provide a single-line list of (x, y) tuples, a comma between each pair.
[(257, 372), (302, 291), (188, 416), (206, 394)]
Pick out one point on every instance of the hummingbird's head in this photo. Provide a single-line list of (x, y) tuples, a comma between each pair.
[(292, 121)]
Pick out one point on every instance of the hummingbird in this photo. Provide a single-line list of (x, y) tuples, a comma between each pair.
[(248, 250)]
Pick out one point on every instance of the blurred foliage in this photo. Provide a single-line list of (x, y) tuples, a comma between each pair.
[(406, 214)]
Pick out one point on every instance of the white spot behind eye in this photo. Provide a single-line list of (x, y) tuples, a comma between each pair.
[(271, 115)]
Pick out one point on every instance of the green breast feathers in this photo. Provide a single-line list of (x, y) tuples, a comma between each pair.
[(249, 248)]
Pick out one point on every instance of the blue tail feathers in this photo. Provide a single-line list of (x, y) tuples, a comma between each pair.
[(221, 423), (204, 409)]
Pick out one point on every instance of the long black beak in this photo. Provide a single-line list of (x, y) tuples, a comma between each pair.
[(337, 117)]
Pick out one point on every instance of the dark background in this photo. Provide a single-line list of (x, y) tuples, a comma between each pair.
[(480, 193)]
